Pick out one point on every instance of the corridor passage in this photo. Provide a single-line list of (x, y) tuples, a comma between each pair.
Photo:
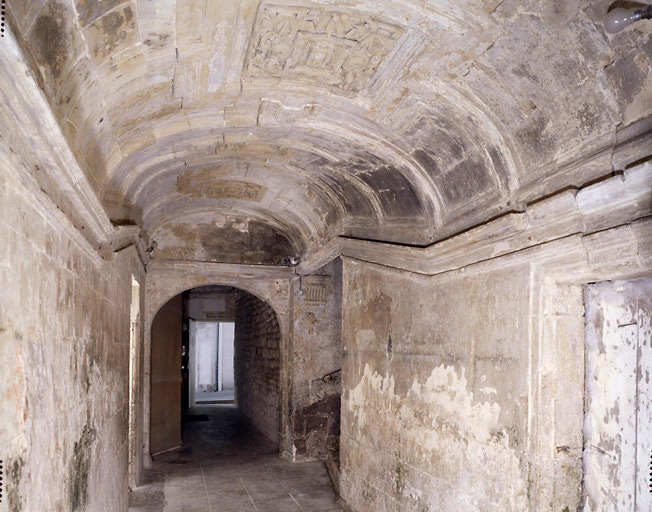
[(226, 465)]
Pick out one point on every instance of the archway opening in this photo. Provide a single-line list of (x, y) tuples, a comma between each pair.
[(204, 341)]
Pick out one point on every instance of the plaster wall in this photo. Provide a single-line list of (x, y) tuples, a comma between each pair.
[(434, 414), (210, 304), (463, 389), (64, 354)]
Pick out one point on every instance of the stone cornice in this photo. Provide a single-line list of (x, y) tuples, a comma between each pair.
[(320, 257), (49, 164), (612, 203)]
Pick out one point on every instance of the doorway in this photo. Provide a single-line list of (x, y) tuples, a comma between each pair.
[(210, 345), (617, 453), (210, 356)]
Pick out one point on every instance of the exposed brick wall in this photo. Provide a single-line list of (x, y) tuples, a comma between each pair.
[(257, 363), (64, 359)]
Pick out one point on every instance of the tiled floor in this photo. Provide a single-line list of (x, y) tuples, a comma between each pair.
[(225, 465)]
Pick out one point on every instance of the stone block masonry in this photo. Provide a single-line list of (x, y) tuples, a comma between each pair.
[(257, 363), (64, 359)]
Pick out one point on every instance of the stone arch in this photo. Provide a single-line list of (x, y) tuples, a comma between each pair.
[(269, 284), (212, 282)]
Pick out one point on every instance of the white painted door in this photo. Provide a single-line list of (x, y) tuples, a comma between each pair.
[(618, 409)]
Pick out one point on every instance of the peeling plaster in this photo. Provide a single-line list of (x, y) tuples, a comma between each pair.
[(440, 428)]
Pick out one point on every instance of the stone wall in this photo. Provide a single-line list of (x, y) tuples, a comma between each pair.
[(464, 389), (257, 363), (64, 354), (317, 363), (435, 373)]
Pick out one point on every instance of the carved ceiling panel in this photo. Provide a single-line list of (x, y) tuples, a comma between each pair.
[(325, 46), (196, 184)]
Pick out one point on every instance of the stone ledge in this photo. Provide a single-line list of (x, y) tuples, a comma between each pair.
[(611, 203)]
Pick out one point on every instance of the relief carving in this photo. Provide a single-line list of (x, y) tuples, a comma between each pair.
[(315, 290), (192, 184), (331, 47)]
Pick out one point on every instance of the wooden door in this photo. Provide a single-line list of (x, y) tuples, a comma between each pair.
[(165, 427)]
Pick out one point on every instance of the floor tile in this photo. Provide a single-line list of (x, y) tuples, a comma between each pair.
[(226, 465)]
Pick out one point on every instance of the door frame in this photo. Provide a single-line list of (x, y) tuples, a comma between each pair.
[(559, 271)]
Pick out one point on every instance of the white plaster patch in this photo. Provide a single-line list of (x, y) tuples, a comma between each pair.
[(243, 227), (443, 389), (455, 441)]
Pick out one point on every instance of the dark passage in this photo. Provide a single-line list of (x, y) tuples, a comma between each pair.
[(225, 464)]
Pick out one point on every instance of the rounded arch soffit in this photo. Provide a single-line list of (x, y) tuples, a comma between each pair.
[(212, 282)]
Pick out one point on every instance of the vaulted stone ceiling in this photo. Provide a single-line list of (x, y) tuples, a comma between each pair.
[(242, 130)]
